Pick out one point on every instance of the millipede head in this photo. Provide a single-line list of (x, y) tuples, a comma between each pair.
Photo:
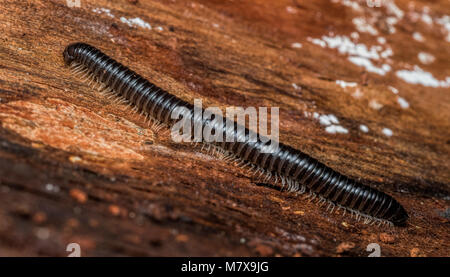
[(69, 53)]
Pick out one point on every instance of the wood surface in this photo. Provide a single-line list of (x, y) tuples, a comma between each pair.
[(75, 167)]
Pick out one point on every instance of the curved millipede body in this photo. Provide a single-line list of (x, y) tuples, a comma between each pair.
[(297, 171)]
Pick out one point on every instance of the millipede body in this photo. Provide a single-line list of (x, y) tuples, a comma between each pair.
[(297, 171)]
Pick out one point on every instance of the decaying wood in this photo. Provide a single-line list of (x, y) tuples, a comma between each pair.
[(75, 167)]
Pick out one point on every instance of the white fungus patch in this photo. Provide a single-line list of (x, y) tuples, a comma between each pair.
[(418, 76), (52, 188), (426, 58), (426, 18), (394, 90), (318, 41), (444, 21), (103, 11), (296, 45), (387, 132), (323, 119), (359, 53), (354, 35), (345, 84), (395, 15), (418, 36), (393, 9), (423, 16), (333, 119), (363, 26), (136, 22), (357, 94), (291, 10), (370, 15), (129, 21), (345, 46), (374, 104), (330, 121), (381, 40), (348, 3), (402, 102), (332, 124), (386, 53), (369, 66), (364, 128), (296, 87), (336, 129)]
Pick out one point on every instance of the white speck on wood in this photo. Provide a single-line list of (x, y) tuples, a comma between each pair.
[(136, 22), (334, 129), (374, 104), (402, 102), (345, 84), (296, 45), (418, 36), (364, 128), (387, 132), (419, 76), (394, 90), (425, 58)]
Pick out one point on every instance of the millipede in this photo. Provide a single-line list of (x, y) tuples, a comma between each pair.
[(294, 170)]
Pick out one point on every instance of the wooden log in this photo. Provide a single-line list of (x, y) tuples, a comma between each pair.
[(77, 168)]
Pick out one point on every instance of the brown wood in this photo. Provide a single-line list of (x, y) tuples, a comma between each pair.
[(75, 167)]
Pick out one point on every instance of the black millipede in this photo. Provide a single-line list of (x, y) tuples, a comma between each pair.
[(295, 169)]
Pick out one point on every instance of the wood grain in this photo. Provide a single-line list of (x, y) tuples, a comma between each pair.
[(75, 167)]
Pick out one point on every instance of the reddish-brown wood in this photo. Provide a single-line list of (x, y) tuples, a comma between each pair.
[(75, 167)]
